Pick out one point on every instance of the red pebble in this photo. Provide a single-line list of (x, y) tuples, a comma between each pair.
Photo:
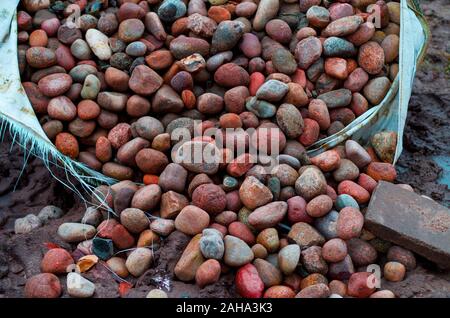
[(121, 237), (382, 171), (297, 210), (310, 133), (43, 285), (56, 261), (248, 283), (367, 182), (360, 194), (361, 285), (256, 80), (241, 231), (105, 229)]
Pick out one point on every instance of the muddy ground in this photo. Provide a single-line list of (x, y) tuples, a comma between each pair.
[(26, 188)]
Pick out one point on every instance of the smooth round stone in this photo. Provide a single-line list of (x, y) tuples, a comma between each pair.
[(131, 30), (80, 72), (56, 261), (99, 44), (334, 250), (314, 291), (183, 46), (270, 275), (44, 285), (261, 108), (340, 10), (319, 206), (162, 226), (157, 293), (208, 273), (289, 160), (385, 143), (269, 239), (284, 61), (285, 174), (318, 16), (308, 51), (208, 164), (279, 31), (75, 232), (358, 285), (136, 49), (371, 57), (218, 59), (78, 286), (311, 183), (192, 220), (268, 215), (250, 45), (230, 183), (209, 197), (147, 197), (364, 34), (403, 256), (248, 283), (343, 26), (267, 9), (338, 98), (290, 120), (148, 127), (91, 87), (361, 252), (312, 260), (139, 261), (170, 10), (231, 75), (383, 294), (345, 200), (211, 244), (50, 212), (134, 220), (253, 193), (288, 258), (237, 252), (326, 225), (347, 170), (81, 50), (272, 91), (334, 46), (55, 84), (144, 81), (226, 36), (92, 216), (173, 178), (376, 89), (356, 153), (349, 223), (40, 57)]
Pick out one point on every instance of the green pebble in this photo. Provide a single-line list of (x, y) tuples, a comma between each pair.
[(103, 248)]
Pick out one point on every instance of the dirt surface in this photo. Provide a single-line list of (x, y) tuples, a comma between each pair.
[(422, 164)]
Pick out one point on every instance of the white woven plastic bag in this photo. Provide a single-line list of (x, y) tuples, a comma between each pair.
[(17, 114)]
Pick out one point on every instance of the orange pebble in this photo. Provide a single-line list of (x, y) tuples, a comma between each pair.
[(67, 144), (230, 120), (174, 69), (188, 98), (382, 171), (150, 179), (279, 292), (351, 65), (372, 154), (38, 38), (219, 14), (179, 26)]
